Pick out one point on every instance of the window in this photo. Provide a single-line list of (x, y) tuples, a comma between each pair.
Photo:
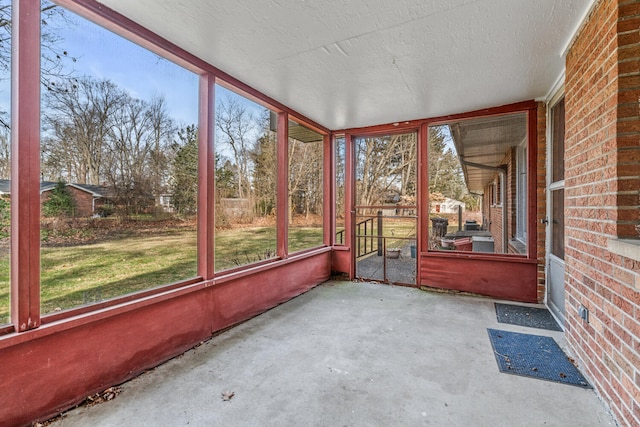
[(119, 168), (5, 161), (340, 163), (246, 171), (556, 186), (493, 194), (497, 191), (557, 153), (306, 165), (521, 192), (481, 163)]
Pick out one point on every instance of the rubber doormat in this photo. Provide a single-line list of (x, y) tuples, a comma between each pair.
[(534, 356), (532, 317)]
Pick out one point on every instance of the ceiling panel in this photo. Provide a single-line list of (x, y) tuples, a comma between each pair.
[(346, 63)]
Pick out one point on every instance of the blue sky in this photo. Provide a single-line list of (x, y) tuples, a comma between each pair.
[(105, 55), (102, 54)]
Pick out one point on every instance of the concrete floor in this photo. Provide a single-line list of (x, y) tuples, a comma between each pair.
[(400, 270), (350, 354)]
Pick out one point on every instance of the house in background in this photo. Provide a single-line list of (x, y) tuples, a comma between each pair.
[(447, 206), (493, 155), (567, 72), (88, 199)]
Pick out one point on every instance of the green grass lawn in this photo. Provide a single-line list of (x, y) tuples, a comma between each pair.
[(76, 275), (398, 232), (242, 246)]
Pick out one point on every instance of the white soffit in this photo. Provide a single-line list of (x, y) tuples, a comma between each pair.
[(353, 63)]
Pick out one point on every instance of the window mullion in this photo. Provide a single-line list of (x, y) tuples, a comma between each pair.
[(282, 210), (25, 165), (329, 184), (206, 177)]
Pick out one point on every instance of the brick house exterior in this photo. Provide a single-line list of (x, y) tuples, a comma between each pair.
[(496, 207), (602, 178), (87, 199)]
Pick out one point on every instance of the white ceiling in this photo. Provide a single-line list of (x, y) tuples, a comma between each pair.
[(352, 63)]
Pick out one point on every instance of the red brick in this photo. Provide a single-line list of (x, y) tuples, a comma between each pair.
[(629, 125), (634, 327), (628, 184), (628, 67), (628, 24), (628, 110), (636, 414), (629, 9), (628, 215), (629, 82), (628, 38)]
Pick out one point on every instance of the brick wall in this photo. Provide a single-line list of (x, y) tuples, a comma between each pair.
[(83, 202), (494, 218), (496, 228), (601, 160)]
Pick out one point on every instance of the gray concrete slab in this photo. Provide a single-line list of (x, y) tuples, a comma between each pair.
[(350, 354), (400, 270)]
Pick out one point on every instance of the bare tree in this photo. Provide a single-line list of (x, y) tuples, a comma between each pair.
[(162, 130), (405, 162), (305, 177), (128, 167), (385, 165), (96, 132), (54, 57), (236, 127), (77, 122)]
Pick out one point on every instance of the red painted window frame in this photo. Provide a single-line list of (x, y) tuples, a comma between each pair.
[(529, 107), (25, 165), (422, 125)]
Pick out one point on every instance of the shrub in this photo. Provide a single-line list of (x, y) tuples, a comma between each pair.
[(59, 202), (5, 217)]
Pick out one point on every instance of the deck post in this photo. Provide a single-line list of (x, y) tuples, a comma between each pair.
[(380, 238)]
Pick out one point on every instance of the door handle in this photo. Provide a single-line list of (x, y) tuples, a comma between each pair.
[(544, 221)]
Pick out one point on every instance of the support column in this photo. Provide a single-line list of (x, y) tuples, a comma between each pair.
[(25, 165), (206, 177), (282, 210), (328, 194)]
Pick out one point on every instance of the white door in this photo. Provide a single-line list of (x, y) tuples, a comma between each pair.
[(555, 212)]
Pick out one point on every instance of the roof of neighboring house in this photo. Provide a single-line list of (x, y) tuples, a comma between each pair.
[(449, 201), (47, 186), (94, 190)]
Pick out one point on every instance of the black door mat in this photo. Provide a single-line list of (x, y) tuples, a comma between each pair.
[(534, 356), (532, 317)]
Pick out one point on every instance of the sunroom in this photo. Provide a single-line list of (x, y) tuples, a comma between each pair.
[(252, 151)]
